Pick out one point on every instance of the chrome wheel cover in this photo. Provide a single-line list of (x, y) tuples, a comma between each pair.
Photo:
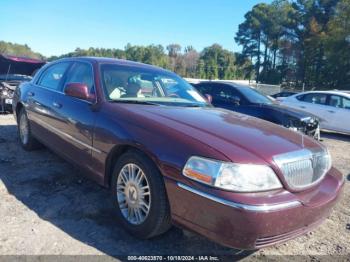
[(133, 193), (23, 129)]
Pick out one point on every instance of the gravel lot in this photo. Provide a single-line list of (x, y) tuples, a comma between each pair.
[(48, 208)]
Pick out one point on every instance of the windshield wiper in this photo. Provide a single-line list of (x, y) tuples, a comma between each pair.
[(134, 102)]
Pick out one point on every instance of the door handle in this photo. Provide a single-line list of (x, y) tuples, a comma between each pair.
[(302, 106), (31, 94), (57, 105), (331, 111)]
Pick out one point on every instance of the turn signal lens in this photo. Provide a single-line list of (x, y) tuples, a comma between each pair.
[(197, 176)]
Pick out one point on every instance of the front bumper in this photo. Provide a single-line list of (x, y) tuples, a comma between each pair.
[(245, 225)]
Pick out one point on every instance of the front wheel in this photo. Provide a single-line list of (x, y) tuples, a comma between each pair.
[(139, 196)]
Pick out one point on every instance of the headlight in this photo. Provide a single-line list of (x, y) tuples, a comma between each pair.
[(4, 93), (231, 176)]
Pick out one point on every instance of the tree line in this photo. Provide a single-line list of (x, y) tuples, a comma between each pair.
[(213, 62), (298, 43), (8, 48)]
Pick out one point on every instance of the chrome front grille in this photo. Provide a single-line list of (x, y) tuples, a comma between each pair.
[(303, 168)]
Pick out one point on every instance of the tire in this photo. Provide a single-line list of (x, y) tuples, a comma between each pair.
[(26, 139), (128, 195)]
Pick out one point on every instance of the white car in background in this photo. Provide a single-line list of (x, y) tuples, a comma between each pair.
[(331, 107)]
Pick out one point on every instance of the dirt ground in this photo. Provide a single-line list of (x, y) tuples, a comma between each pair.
[(48, 208)]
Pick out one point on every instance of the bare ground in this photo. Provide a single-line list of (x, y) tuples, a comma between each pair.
[(48, 208)]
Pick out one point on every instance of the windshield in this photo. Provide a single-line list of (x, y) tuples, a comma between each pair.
[(255, 96), (138, 85)]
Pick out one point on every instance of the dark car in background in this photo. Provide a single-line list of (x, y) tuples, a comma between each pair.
[(170, 157), (13, 71), (249, 101)]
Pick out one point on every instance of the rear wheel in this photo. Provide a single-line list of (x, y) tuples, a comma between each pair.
[(139, 196), (26, 139)]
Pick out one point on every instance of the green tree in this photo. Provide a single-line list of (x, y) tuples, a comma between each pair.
[(201, 69), (294, 41), (8, 48), (337, 47), (213, 62), (218, 62)]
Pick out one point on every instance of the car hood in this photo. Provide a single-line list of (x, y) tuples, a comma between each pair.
[(287, 111), (239, 137), (19, 65)]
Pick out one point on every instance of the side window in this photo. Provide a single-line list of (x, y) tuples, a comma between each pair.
[(233, 93), (81, 73), (315, 98), (52, 76), (204, 89), (223, 92), (219, 93), (336, 101), (346, 103), (339, 101)]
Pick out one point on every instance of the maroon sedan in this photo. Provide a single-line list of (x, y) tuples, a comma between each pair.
[(170, 157)]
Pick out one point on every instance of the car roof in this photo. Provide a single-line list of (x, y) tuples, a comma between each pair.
[(327, 92), (121, 62)]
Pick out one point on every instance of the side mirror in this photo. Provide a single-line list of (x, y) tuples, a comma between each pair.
[(78, 90), (209, 98)]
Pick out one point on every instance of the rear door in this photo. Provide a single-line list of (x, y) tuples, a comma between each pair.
[(40, 102), (74, 118), (339, 106), (316, 104)]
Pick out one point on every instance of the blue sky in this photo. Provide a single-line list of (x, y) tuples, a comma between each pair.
[(59, 26)]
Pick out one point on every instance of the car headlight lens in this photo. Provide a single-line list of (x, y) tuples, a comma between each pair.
[(231, 176)]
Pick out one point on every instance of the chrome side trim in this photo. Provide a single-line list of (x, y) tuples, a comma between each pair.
[(252, 208), (61, 133)]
